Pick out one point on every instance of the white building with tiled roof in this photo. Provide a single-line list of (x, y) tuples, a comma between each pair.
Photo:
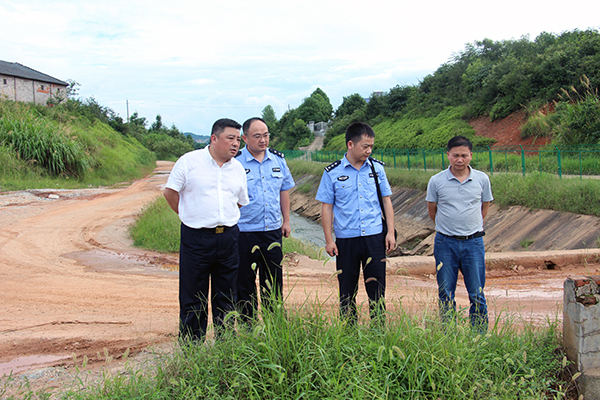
[(21, 83)]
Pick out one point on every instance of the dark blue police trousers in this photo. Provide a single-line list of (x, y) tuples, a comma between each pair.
[(207, 254)]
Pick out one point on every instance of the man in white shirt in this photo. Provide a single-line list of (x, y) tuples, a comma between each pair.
[(206, 188)]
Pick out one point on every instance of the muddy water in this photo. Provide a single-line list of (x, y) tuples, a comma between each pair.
[(26, 363), (306, 230)]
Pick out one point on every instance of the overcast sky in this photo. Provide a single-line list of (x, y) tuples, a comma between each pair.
[(193, 62)]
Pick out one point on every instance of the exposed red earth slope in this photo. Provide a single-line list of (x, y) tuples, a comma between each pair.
[(506, 131)]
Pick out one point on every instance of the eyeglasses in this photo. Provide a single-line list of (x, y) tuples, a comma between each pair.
[(258, 136)]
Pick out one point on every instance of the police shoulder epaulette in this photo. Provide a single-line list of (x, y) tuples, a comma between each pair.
[(277, 153), (333, 165), (239, 153), (376, 160)]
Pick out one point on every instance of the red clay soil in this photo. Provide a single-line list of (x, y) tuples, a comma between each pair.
[(506, 131)]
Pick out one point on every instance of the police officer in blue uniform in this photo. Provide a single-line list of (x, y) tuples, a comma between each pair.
[(264, 221), (351, 205)]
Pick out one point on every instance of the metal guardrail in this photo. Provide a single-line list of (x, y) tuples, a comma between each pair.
[(582, 160)]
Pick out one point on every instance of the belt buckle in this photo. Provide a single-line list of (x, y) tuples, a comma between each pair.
[(219, 229)]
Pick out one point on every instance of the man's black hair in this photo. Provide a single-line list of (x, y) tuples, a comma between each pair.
[(458, 141), (220, 125), (356, 130), (249, 122)]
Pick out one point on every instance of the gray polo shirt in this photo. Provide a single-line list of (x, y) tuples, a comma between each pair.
[(459, 204)]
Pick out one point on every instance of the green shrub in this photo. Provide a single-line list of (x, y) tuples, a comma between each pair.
[(537, 125)]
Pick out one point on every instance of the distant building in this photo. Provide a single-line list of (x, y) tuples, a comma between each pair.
[(21, 83), (319, 128)]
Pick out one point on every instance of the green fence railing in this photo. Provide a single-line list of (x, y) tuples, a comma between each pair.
[(582, 160)]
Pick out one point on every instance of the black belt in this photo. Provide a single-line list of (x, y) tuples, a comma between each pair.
[(217, 229), (473, 236)]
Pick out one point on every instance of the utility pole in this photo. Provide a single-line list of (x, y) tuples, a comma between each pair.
[(127, 102)]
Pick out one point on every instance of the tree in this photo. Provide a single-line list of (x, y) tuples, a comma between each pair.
[(350, 104), (316, 107), (376, 106), (299, 131), (268, 114), (72, 88), (398, 97), (157, 125), (327, 108), (135, 119)]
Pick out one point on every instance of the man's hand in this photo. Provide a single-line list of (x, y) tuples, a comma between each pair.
[(331, 249), (327, 222), (286, 229), (390, 241)]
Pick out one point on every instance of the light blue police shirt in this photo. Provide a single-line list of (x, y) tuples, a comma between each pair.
[(265, 182), (356, 209), (459, 203)]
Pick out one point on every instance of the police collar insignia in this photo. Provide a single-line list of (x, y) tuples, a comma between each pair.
[(277, 153), (342, 177), (276, 169)]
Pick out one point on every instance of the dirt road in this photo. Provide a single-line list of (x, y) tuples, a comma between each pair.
[(70, 281), (72, 284)]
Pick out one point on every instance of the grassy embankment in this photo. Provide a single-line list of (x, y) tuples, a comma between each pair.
[(43, 147)]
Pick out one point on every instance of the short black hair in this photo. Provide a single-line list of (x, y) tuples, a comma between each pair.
[(220, 125), (458, 141), (355, 130), (249, 122)]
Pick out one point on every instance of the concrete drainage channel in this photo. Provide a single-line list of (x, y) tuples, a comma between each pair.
[(581, 332)]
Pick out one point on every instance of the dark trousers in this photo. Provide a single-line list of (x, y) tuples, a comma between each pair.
[(267, 263), (368, 252), (204, 256)]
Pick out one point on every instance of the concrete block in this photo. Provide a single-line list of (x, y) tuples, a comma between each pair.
[(589, 382), (581, 322)]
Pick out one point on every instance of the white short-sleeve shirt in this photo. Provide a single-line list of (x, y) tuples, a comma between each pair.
[(208, 194)]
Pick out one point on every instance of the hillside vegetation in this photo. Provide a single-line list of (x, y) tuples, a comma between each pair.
[(57, 147), (492, 78), (78, 142)]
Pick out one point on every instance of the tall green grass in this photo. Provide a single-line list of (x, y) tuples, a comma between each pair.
[(307, 354), (49, 148), (157, 228), (543, 191), (41, 141)]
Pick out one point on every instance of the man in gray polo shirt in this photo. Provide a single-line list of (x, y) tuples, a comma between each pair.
[(458, 200)]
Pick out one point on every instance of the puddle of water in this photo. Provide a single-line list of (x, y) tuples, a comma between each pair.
[(524, 294), (26, 363), (103, 260)]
